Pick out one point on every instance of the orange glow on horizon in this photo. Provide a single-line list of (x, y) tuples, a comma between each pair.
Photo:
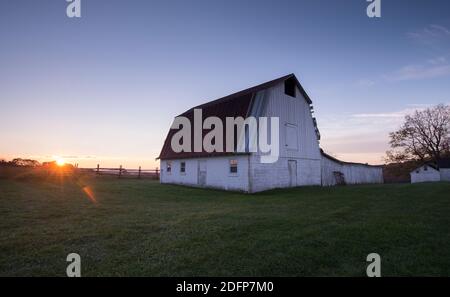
[(60, 162)]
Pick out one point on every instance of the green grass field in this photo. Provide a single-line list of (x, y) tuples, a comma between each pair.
[(142, 228)]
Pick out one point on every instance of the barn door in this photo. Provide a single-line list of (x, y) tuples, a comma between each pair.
[(201, 172), (292, 166)]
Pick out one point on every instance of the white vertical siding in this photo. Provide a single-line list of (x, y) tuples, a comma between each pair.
[(294, 112), (328, 167), (353, 173), (421, 175), (217, 173), (445, 174), (175, 176)]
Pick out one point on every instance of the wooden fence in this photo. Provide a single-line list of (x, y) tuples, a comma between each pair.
[(122, 172)]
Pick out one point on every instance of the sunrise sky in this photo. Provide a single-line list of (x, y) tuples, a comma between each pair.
[(104, 88)]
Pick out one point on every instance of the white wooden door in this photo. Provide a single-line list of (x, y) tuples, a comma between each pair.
[(292, 166), (201, 172)]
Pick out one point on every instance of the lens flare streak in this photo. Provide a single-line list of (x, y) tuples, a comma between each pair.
[(89, 193)]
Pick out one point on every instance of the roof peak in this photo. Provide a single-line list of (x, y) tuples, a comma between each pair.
[(254, 89)]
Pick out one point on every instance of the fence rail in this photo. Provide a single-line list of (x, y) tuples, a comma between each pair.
[(122, 172)]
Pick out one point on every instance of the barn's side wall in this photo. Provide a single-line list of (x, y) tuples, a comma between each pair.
[(353, 173), (421, 175), (328, 167), (445, 174), (217, 173), (276, 175), (296, 113)]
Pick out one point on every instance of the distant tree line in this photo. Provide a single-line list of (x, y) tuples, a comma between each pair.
[(423, 137), (19, 162)]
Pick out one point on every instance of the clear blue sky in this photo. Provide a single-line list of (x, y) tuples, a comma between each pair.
[(105, 87)]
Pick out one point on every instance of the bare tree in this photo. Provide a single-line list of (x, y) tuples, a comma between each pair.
[(424, 136)]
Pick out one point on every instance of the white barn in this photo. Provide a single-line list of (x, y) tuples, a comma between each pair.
[(301, 162), (432, 172)]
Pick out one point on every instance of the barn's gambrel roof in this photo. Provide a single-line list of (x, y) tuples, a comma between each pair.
[(235, 105), (251, 91)]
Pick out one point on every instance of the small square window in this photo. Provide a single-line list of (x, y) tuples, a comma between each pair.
[(183, 167), (233, 166), (289, 87), (169, 167), (425, 168)]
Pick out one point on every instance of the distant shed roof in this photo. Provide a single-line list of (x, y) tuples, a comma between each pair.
[(442, 163), (428, 164)]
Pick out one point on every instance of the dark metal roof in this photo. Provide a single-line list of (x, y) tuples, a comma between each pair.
[(234, 105), (429, 164)]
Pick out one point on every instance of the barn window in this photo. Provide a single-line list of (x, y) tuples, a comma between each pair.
[(233, 166), (169, 167), (425, 168), (183, 167), (289, 87)]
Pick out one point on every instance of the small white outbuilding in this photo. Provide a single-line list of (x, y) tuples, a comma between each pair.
[(425, 173), (432, 172)]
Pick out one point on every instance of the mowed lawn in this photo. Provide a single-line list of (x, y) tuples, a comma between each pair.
[(142, 228)]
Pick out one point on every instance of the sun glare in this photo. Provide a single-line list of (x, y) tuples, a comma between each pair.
[(60, 162)]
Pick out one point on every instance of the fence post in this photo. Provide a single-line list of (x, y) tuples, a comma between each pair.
[(139, 173), (120, 171), (98, 169), (157, 173)]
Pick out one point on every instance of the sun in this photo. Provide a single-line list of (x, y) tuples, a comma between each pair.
[(60, 162)]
